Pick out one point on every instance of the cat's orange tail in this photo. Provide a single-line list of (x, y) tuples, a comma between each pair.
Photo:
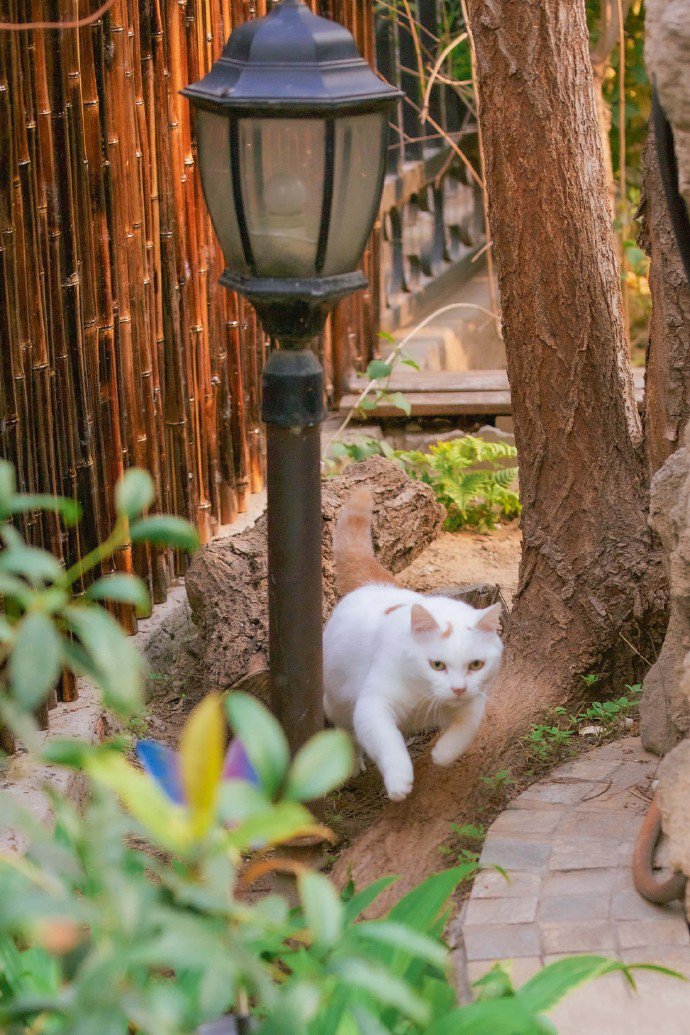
[(353, 548)]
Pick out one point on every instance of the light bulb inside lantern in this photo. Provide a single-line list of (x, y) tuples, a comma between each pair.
[(285, 195)]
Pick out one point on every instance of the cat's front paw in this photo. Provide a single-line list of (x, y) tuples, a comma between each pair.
[(398, 783), (446, 754)]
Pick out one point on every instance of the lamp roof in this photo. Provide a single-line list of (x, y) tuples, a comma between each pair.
[(291, 62)]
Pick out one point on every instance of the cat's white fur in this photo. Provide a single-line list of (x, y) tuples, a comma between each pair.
[(383, 648)]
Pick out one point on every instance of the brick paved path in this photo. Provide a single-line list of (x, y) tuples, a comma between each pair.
[(567, 844)]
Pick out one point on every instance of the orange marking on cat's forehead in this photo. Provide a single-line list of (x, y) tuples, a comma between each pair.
[(390, 610), (448, 632)]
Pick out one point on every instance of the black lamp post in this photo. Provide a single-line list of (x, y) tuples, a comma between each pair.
[(292, 127)]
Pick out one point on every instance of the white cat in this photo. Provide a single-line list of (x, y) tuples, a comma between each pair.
[(397, 662)]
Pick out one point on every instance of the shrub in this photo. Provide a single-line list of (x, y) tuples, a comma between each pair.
[(469, 476)]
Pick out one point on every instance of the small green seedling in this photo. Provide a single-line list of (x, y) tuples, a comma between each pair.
[(499, 781), (545, 742)]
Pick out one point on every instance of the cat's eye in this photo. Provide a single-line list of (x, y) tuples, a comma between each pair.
[(474, 666), (438, 666)]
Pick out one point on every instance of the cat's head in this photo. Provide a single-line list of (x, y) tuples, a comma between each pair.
[(457, 656)]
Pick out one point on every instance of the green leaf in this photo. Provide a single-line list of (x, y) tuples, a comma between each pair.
[(324, 763), (35, 662), (69, 510), (111, 657), (15, 589), (278, 823), (67, 751), (421, 908), (496, 1016), (262, 737), (361, 900), (36, 566), (369, 402), (378, 369), (384, 988), (400, 936), (164, 530), (239, 801), (323, 909), (338, 449), (8, 487), (386, 336), (134, 493), (553, 982), (409, 362), (401, 401), (126, 589)]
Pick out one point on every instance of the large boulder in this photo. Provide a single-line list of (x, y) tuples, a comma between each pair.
[(665, 710), (665, 706), (667, 54), (227, 581)]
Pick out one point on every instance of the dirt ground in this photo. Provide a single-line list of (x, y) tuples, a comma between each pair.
[(458, 558)]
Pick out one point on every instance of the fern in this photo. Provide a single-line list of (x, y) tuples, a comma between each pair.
[(469, 476)]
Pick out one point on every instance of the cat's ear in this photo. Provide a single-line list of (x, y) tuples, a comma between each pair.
[(490, 619), (423, 622)]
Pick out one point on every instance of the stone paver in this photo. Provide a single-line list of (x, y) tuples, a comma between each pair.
[(567, 846)]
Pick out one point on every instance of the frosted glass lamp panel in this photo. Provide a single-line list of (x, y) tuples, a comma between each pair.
[(359, 157), (282, 182), (216, 178)]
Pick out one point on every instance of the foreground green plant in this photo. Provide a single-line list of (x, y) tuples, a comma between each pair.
[(49, 624), (132, 915)]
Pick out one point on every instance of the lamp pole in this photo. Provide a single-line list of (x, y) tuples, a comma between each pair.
[(292, 134), (292, 409)]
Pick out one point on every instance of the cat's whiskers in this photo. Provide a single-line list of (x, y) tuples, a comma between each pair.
[(432, 702)]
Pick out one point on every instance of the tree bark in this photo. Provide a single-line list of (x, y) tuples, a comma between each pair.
[(585, 569), (667, 379), (591, 596)]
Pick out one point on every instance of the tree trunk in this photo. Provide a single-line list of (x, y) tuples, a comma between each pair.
[(591, 593), (667, 387), (584, 576)]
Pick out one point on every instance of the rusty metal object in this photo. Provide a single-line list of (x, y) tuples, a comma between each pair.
[(658, 891)]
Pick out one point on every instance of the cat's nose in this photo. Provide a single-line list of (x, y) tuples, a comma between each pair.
[(459, 690)]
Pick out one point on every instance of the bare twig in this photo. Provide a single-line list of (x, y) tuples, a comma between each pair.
[(635, 650), (436, 69), (394, 353), (461, 155), (75, 23), (416, 42), (482, 162), (621, 157), (411, 19)]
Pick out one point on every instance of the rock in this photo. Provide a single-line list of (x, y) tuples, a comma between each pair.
[(226, 583), (674, 801), (667, 54), (665, 704)]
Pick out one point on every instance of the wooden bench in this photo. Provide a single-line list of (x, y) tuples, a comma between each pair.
[(466, 393)]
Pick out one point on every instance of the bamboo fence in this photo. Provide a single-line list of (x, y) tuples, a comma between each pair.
[(117, 345)]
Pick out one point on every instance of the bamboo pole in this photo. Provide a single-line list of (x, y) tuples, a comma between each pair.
[(117, 344)]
